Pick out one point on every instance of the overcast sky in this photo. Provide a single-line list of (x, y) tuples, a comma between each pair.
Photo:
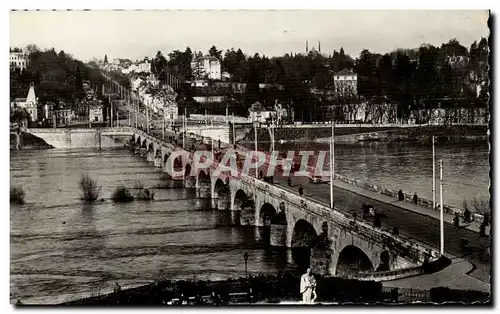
[(135, 34)]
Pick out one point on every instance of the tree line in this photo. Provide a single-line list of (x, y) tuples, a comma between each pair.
[(57, 76), (446, 76)]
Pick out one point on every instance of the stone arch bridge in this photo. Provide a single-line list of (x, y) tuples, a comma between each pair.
[(338, 243)]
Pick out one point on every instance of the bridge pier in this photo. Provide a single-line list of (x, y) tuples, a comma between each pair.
[(137, 149), (189, 183), (277, 234), (247, 216), (158, 162), (149, 156), (221, 202), (321, 261)]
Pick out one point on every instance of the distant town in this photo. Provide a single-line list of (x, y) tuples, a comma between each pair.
[(306, 87)]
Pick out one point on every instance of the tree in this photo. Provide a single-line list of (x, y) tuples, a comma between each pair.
[(213, 52), (159, 65), (79, 93), (32, 48), (252, 90)]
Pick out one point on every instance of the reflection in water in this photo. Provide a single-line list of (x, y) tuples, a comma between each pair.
[(62, 248)]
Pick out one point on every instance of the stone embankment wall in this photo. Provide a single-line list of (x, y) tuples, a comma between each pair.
[(78, 138)]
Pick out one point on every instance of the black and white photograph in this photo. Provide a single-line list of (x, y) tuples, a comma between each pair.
[(180, 158)]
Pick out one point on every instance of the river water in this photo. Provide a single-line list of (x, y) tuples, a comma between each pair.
[(62, 249)]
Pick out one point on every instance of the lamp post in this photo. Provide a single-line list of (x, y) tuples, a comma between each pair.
[(245, 257)]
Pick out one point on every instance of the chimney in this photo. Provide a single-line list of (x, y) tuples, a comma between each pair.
[(307, 48), (319, 46)]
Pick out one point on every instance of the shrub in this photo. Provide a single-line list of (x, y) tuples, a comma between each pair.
[(122, 194), (89, 188), (142, 193), (17, 195)]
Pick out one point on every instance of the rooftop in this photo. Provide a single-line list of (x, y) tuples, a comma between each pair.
[(211, 58), (345, 72)]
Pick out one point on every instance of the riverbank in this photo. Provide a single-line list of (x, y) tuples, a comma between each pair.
[(273, 290), (454, 134), (387, 134)]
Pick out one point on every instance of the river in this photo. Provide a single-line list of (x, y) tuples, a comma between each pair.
[(408, 166), (62, 249)]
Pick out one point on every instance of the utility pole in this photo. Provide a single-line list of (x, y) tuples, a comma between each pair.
[(433, 175), (135, 107), (256, 162), (111, 112), (234, 134), (163, 126), (441, 218), (147, 119), (332, 166)]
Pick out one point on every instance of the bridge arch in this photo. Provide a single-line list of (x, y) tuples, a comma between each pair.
[(266, 214), (304, 235), (138, 141), (244, 203), (221, 194), (203, 176), (303, 239), (353, 260), (144, 143)]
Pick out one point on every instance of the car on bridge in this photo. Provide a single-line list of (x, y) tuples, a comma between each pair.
[(318, 179)]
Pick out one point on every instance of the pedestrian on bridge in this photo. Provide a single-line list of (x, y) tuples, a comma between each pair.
[(301, 190), (289, 181), (401, 196), (415, 198)]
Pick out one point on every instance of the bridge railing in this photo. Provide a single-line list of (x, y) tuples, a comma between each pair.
[(407, 246)]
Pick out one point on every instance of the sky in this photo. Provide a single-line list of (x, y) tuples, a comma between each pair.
[(135, 34)]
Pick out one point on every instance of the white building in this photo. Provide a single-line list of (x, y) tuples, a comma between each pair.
[(136, 83), (171, 112), (206, 67), (144, 66), (346, 81), (96, 114), (30, 103), (18, 60)]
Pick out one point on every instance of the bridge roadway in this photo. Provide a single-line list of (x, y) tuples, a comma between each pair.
[(409, 223)]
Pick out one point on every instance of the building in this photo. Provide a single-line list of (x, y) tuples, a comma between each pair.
[(30, 103), (44, 111), (62, 116), (171, 112), (257, 112), (206, 67), (346, 81), (144, 66), (96, 113), (136, 83), (18, 59)]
